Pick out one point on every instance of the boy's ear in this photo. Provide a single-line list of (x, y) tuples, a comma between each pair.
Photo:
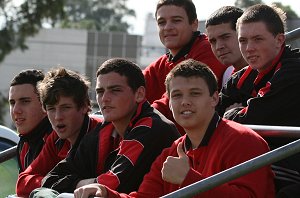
[(86, 108), (280, 39), (215, 99), (140, 94), (170, 106), (195, 25)]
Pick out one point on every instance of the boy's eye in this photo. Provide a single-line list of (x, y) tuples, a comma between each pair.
[(212, 41), (195, 93), (49, 108), (99, 92), (116, 90), (176, 95), (25, 101), (66, 107)]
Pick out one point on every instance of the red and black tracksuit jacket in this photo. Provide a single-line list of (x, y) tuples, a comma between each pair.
[(270, 98), (31, 144), (54, 150), (115, 162)]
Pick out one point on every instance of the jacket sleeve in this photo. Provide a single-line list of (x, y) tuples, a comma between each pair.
[(258, 183), (31, 178), (277, 105), (230, 94), (67, 173), (152, 185), (137, 152)]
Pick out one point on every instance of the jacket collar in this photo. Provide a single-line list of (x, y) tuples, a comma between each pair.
[(185, 50), (208, 134)]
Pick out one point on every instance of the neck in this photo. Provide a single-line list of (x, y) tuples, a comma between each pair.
[(73, 139), (240, 64), (197, 133), (196, 138), (120, 130), (174, 52)]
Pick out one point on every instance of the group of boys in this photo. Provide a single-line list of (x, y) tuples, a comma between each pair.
[(135, 150)]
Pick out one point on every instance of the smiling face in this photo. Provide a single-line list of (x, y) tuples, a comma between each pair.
[(116, 99), (191, 103), (25, 108), (175, 31), (224, 44), (258, 45), (66, 118)]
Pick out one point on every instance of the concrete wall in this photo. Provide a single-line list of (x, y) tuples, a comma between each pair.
[(49, 48), (78, 50)]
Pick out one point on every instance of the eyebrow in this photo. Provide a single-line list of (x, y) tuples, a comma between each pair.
[(110, 87), (22, 98), (172, 17)]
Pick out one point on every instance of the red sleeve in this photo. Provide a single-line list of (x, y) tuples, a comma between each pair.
[(31, 178), (155, 75), (153, 185), (255, 184), (245, 186), (130, 151)]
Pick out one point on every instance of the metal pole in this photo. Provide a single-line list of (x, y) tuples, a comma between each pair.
[(8, 154), (292, 35), (276, 131), (237, 171)]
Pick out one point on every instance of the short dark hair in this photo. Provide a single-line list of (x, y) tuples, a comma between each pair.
[(129, 69), (63, 82), (187, 5), (225, 14), (28, 76), (273, 17), (192, 68)]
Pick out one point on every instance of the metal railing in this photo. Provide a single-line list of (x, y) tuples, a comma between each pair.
[(292, 35), (276, 131), (8, 154), (263, 130), (237, 171)]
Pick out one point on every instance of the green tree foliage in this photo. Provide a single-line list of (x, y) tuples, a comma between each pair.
[(19, 22), (246, 3), (290, 14), (101, 15)]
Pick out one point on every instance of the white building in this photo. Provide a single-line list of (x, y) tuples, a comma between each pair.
[(79, 50)]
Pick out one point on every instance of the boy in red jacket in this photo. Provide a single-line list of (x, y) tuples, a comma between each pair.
[(211, 144), (64, 95), (178, 31)]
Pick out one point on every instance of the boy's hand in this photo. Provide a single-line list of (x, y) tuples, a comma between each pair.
[(96, 190), (175, 169)]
